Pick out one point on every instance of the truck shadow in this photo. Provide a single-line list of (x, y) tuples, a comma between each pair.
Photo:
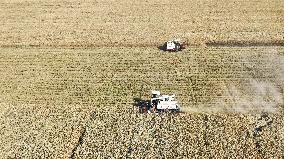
[(162, 47)]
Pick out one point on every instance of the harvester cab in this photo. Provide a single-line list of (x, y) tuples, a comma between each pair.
[(163, 103)]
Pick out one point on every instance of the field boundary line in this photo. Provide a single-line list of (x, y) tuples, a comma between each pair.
[(235, 43)]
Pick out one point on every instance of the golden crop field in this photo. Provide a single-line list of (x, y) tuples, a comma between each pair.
[(73, 71)]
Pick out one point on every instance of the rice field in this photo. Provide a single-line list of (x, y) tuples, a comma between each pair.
[(72, 72)]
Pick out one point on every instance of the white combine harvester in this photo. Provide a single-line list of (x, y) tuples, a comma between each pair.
[(173, 45), (161, 103)]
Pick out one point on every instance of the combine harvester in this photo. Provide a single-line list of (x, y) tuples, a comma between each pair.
[(173, 45), (160, 103)]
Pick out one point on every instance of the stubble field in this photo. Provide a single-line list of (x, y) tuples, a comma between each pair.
[(72, 72)]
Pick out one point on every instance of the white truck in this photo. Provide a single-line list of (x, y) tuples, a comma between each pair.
[(173, 45)]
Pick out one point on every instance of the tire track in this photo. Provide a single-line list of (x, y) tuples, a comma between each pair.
[(78, 143), (82, 135)]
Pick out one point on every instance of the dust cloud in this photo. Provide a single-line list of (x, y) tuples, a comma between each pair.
[(260, 89)]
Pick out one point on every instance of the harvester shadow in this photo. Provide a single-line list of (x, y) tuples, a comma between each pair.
[(140, 103)]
